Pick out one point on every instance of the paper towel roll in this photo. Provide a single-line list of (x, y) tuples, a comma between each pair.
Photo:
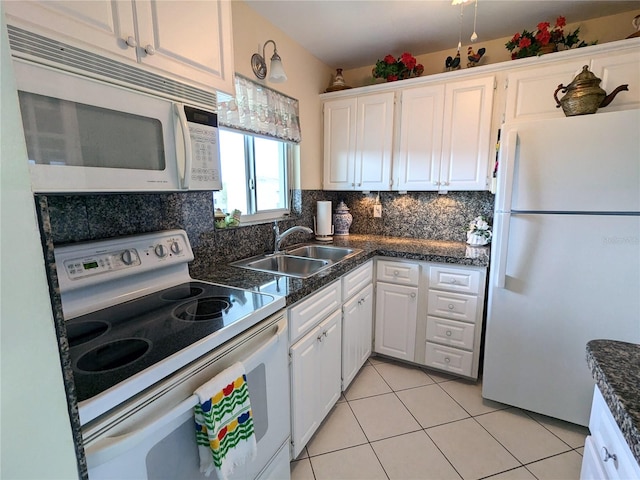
[(323, 219)]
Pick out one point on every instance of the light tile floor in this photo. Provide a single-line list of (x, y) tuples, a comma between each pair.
[(397, 421)]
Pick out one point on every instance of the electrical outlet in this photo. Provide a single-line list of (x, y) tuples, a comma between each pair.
[(377, 211)]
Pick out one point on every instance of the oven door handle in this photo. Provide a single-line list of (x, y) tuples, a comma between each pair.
[(108, 448)]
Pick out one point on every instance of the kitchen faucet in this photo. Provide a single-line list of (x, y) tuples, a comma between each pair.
[(281, 236)]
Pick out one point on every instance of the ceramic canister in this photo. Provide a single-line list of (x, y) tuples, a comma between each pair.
[(342, 219)]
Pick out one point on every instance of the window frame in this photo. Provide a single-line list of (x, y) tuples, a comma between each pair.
[(263, 216)]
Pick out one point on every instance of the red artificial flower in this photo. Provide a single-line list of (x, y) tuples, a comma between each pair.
[(392, 78), (389, 59), (514, 55), (543, 37), (419, 69), (543, 26), (561, 22), (515, 38), (524, 42), (408, 60)]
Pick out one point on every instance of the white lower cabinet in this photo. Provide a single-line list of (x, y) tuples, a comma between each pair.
[(454, 318), (396, 309), (607, 455), (315, 379), (357, 319)]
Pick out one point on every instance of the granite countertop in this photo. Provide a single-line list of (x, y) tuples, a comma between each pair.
[(615, 366), (295, 289)]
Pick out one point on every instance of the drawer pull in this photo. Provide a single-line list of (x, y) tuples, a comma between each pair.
[(447, 360), (320, 337), (451, 307), (448, 333), (606, 456), (396, 273), (413, 294), (453, 281)]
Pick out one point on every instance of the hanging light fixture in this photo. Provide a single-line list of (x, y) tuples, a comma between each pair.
[(474, 35), (276, 70), (462, 3)]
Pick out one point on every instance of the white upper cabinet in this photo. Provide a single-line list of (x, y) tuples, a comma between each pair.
[(466, 134), (444, 136), (358, 142), (417, 163), (190, 41), (530, 89)]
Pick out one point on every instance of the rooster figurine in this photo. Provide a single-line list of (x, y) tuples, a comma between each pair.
[(453, 63), (473, 57)]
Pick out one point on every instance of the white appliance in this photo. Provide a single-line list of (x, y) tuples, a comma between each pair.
[(565, 259), (85, 135), (143, 336)]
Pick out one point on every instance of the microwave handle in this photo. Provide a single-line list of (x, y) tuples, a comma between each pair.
[(185, 174)]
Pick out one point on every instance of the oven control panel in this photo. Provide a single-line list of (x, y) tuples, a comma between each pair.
[(95, 262)]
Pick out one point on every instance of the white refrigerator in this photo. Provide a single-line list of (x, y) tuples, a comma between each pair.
[(565, 258)]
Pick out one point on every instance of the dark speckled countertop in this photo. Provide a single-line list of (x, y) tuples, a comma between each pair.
[(615, 367), (295, 289)]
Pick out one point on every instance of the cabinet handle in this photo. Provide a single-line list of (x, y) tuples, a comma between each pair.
[(606, 456), (396, 273), (450, 306), (413, 294), (149, 50), (447, 360), (436, 183), (131, 42), (319, 338), (448, 333), (324, 333), (444, 183), (453, 281)]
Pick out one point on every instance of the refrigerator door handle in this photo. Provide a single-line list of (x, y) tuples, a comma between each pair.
[(506, 167), (500, 244)]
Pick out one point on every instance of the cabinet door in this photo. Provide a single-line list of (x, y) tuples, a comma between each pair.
[(339, 144), (357, 319), (101, 26), (374, 142), (396, 316), (190, 39), (619, 69), (329, 366), (467, 131), (304, 390), (530, 90), (417, 165)]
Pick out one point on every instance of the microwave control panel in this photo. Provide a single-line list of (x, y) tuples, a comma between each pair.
[(205, 157)]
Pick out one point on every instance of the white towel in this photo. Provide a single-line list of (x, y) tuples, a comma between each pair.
[(224, 423)]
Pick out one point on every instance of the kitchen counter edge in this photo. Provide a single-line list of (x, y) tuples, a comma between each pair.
[(615, 366), (295, 289)]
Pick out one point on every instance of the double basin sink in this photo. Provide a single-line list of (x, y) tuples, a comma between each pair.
[(301, 262)]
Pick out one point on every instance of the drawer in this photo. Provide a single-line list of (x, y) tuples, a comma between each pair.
[(358, 279), (453, 279), (607, 437), (452, 305), (307, 313), (450, 359), (450, 332), (398, 272)]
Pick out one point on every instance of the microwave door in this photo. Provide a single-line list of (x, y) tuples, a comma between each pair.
[(83, 135)]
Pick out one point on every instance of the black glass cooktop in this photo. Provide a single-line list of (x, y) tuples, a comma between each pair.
[(109, 346)]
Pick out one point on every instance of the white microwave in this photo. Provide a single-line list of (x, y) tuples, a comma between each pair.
[(84, 135)]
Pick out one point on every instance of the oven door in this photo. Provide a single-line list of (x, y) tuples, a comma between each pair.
[(154, 437), (83, 135)]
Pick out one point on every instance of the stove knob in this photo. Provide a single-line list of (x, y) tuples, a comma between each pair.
[(176, 248), (127, 257), (161, 251)]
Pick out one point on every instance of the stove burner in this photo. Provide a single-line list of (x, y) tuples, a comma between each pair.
[(116, 354), (207, 308), (181, 292), (79, 333)]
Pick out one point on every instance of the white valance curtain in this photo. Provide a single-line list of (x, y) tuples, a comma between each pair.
[(259, 109)]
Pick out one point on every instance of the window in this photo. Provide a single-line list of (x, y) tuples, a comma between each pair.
[(254, 176)]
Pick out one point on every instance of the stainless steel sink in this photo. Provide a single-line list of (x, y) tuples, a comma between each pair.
[(324, 252), (302, 262), (286, 265)]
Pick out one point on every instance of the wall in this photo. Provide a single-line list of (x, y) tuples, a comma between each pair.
[(36, 438), (307, 77), (603, 29)]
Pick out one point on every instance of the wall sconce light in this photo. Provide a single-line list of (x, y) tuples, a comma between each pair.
[(259, 66)]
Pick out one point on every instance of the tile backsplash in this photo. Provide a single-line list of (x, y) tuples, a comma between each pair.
[(74, 218)]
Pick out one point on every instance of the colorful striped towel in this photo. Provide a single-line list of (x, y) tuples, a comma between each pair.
[(224, 423)]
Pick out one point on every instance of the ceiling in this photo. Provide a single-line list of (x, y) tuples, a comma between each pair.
[(355, 33)]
